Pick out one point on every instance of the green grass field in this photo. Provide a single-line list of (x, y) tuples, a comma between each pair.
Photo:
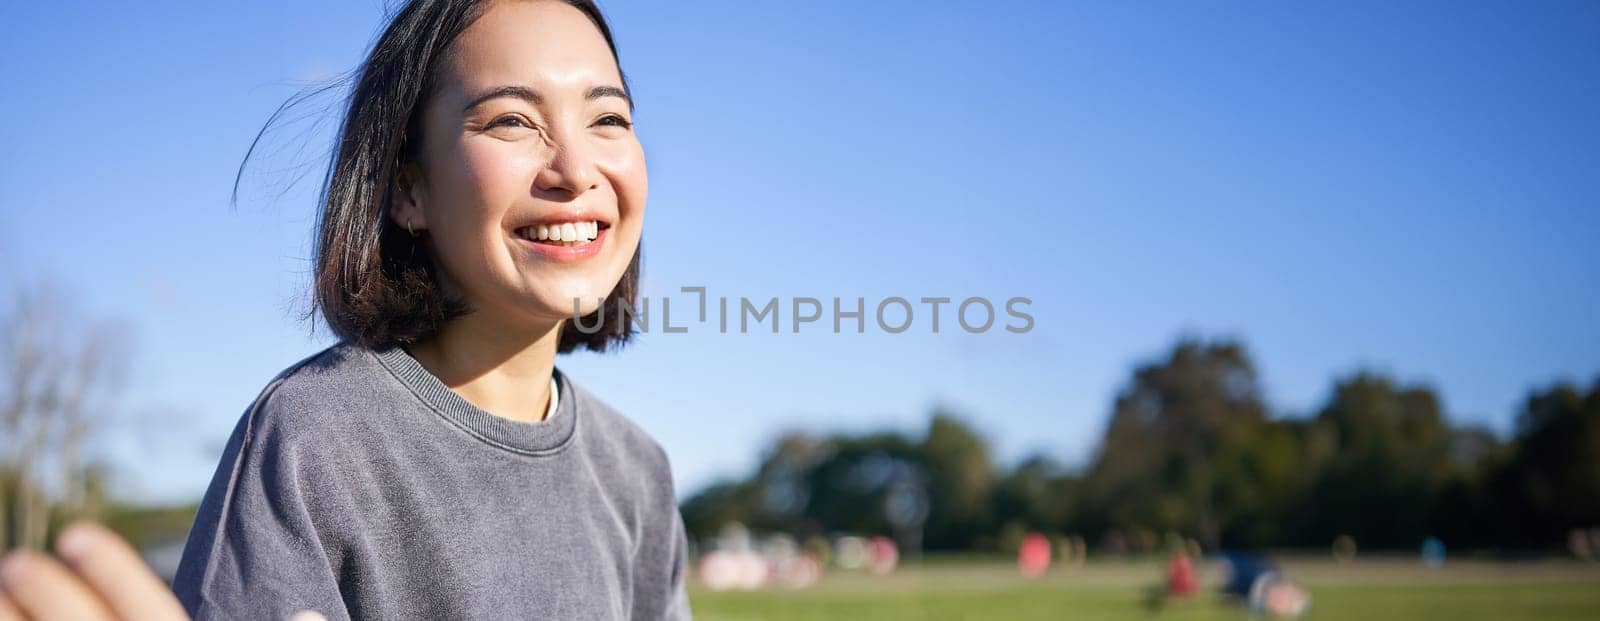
[(1365, 590)]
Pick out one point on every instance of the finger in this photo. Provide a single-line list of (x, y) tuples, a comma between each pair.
[(8, 610), (45, 590), (116, 571)]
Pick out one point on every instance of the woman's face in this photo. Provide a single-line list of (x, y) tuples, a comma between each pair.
[(528, 135)]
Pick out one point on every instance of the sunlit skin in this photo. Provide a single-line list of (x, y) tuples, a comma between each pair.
[(560, 141), (96, 576)]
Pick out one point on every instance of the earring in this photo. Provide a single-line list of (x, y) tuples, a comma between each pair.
[(408, 228)]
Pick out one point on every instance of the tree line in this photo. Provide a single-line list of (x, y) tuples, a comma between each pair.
[(1191, 448)]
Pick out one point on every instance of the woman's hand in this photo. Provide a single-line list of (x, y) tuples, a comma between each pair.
[(99, 576)]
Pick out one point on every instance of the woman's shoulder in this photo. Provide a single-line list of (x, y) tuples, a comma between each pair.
[(319, 389), (610, 426)]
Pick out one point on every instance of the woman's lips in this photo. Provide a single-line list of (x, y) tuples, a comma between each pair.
[(581, 247)]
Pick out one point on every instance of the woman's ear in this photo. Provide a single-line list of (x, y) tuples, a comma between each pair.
[(406, 211)]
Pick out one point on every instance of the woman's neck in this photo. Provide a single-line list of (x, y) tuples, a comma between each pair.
[(503, 372)]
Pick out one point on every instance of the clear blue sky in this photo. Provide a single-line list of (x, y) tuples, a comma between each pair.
[(1412, 188)]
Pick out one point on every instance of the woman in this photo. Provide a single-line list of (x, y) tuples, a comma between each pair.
[(488, 189)]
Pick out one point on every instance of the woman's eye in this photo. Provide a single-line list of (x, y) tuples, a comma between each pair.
[(615, 120), (508, 121)]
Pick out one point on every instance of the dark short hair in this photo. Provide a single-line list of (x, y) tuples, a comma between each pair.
[(374, 283)]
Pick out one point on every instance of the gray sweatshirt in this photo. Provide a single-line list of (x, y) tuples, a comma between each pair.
[(359, 486)]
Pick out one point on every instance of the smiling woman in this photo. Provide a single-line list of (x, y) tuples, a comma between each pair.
[(501, 131), (435, 463)]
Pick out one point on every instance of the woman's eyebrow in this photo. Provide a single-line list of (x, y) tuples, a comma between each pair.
[(609, 91), (532, 97)]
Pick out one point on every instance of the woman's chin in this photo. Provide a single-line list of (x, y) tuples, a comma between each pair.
[(574, 304)]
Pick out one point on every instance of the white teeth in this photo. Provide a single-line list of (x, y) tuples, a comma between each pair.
[(565, 233)]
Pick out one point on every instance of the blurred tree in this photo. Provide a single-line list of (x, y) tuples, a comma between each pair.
[(59, 376), (1463, 511), (960, 481), (882, 483), (707, 510), (1190, 451), (1256, 480), (850, 489), (1381, 453), (1553, 475), (1158, 464), (1038, 494)]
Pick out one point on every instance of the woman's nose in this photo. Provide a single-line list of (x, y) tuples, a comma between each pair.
[(570, 170)]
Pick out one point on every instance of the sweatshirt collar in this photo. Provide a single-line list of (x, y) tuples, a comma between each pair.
[(536, 439)]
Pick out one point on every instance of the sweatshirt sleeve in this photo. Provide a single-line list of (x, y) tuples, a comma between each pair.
[(665, 587), (253, 551), (678, 593)]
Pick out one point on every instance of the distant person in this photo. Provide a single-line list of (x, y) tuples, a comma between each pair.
[(1182, 581), (1256, 583), (1240, 571), (487, 190)]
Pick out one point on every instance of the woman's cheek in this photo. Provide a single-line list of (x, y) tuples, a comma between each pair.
[(496, 172), (634, 169), (626, 168)]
